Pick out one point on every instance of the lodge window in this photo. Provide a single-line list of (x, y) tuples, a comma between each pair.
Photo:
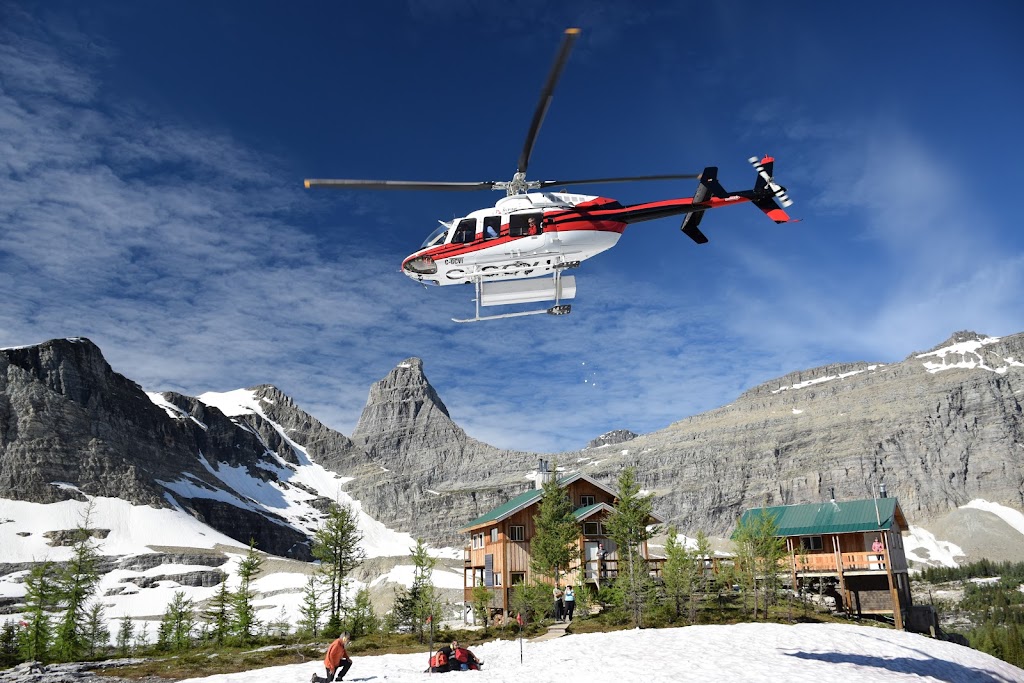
[(517, 578), (591, 529), (810, 542), (478, 540), (497, 578), (517, 533), (494, 535), (586, 500)]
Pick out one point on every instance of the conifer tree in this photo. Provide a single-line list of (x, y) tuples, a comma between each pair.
[(96, 635), (77, 583), (555, 541), (677, 574), (336, 545), (311, 609), (217, 615), (125, 636), (628, 527), (425, 602), (41, 595), (361, 619), (177, 624), (244, 623), (9, 644)]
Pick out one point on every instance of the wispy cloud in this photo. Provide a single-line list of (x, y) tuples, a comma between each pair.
[(198, 263)]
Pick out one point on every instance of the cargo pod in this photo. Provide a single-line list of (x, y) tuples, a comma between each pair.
[(556, 288)]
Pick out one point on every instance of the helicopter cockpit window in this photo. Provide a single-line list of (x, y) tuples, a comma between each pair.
[(435, 237), (465, 232), (492, 227), (526, 224)]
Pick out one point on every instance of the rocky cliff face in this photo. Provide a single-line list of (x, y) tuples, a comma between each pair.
[(71, 425), (940, 428)]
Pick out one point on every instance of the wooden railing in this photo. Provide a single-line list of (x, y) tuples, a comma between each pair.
[(826, 562)]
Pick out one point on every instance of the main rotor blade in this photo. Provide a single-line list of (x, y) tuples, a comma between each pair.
[(352, 184), (546, 94), (623, 179)]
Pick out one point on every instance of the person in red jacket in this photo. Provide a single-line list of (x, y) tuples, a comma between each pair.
[(336, 661), (464, 659)]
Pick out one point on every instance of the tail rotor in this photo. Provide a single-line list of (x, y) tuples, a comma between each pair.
[(764, 169)]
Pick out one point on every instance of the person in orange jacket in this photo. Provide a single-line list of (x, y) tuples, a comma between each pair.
[(336, 660)]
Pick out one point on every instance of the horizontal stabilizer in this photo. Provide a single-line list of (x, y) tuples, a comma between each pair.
[(689, 227), (526, 291)]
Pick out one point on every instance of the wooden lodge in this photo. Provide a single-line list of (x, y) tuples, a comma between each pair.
[(498, 556), (836, 539)]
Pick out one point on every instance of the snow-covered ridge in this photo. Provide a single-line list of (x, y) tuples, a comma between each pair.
[(966, 354), (827, 378)]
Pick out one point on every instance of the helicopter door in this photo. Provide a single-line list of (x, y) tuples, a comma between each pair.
[(465, 232)]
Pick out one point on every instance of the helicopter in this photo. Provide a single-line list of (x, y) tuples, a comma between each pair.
[(519, 250)]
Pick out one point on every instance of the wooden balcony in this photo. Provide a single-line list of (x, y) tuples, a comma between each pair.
[(836, 563)]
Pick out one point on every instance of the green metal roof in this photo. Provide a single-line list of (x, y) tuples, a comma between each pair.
[(833, 517), (583, 512), (532, 496), (522, 500)]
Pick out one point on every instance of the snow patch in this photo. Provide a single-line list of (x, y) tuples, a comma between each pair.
[(1012, 517), (922, 546)]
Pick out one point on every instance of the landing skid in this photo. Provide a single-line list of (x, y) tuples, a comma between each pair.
[(558, 291)]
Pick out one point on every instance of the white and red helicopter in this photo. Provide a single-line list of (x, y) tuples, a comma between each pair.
[(518, 250)]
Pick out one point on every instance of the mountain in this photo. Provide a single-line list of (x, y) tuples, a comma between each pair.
[(939, 429)]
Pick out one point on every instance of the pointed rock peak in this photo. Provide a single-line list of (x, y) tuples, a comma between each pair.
[(613, 437), (403, 394)]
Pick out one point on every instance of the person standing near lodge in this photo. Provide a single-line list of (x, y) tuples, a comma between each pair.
[(556, 594), (569, 597), (336, 660)]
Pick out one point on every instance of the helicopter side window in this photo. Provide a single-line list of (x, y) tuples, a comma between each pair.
[(524, 225), (492, 227), (465, 232)]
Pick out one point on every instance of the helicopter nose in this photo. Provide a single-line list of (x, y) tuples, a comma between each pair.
[(419, 265)]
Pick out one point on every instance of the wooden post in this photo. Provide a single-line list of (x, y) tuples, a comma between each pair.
[(839, 569), (897, 613)]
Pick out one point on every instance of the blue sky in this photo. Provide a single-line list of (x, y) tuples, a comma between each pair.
[(152, 157)]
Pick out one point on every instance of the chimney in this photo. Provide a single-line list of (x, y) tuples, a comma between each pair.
[(832, 493), (882, 493), (543, 475)]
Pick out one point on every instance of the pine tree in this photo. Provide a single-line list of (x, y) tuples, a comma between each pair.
[(481, 604), (555, 541), (336, 545), (217, 615), (425, 600), (77, 584), (361, 619), (311, 610), (125, 635), (9, 644), (700, 582), (676, 574), (41, 596), (96, 635), (628, 527), (177, 624), (244, 624)]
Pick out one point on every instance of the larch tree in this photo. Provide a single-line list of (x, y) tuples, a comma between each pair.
[(336, 545), (628, 528), (555, 541)]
